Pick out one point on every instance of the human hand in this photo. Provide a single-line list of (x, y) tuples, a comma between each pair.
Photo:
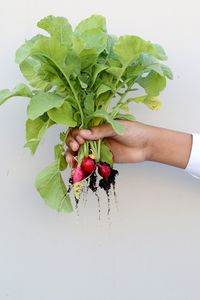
[(130, 147)]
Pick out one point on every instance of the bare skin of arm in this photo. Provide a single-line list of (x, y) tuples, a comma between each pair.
[(140, 142)]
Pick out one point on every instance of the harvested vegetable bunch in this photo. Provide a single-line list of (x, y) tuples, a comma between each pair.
[(83, 78)]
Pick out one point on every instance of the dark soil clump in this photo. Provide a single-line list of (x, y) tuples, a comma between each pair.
[(93, 182), (106, 184)]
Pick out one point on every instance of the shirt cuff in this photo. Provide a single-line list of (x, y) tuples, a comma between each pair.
[(193, 166)]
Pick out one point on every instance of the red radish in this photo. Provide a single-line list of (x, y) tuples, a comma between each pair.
[(77, 174), (104, 170), (88, 165)]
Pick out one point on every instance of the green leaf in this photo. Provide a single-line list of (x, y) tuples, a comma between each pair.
[(112, 39), (92, 31), (106, 154), (24, 51), (72, 64), (93, 22), (153, 83), (63, 163), (147, 59), (72, 101), (77, 118), (137, 99), (83, 84), (50, 185), (20, 90), (63, 136), (58, 27), (115, 71), (128, 47), (35, 130), (124, 107), (94, 39), (102, 89), (118, 127), (89, 104), (167, 71), (156, 68), (108, 80), (133, 71), (32, 71), (114, 63), (63, 115), (151, 101), (78, 44), (159, 52), (88, 58), (150, 63), (128, 117), (41, 103), (56, 53), (97, 70), (59, 153)]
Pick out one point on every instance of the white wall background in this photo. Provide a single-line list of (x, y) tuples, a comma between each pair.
[(149, 250)]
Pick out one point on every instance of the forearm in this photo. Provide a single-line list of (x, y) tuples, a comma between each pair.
[(169, 147)]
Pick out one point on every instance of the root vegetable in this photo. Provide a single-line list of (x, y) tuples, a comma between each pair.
[(77, 174), (104, 171), (88, 165)]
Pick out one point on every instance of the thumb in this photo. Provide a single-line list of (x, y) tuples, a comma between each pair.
[(99, 132)]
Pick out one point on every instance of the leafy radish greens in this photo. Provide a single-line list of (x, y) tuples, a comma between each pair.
[(82, 78)]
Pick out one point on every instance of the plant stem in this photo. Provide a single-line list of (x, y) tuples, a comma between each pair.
[(98, 149), (93, 147), (129, 89), (85, 149), (116, 108), (81, 154), (123, 83), (76, 98)]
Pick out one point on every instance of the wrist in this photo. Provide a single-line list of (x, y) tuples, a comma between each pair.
[(168, 147)]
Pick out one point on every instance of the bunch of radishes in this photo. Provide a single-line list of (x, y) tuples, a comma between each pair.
[(87, 167), (86, 171)]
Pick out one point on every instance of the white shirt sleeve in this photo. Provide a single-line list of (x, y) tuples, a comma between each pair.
[(193, 166)]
